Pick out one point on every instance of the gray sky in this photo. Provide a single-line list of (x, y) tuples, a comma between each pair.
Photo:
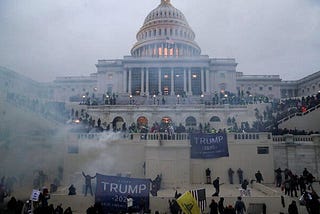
[(43, 39)]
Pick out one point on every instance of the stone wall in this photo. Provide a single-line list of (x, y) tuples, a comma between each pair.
[(297, 153)]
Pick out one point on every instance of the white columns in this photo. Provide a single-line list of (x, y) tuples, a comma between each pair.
[(125, 73), (147, 81), (159, 80), (189, 81), (202, 81), (142, 82), (207, 81), (185, 80), (172, 82), (130, 78)]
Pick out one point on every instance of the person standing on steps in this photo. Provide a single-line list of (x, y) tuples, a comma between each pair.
[(230, 174), (208, 175), (258, 176), (88, 183), (216, 185), (240, 175)]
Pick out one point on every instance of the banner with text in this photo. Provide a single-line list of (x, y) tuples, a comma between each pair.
[(112, 192), (204, 146)]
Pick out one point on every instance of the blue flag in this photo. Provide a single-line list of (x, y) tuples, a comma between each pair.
[(113, 193), (205, 146)]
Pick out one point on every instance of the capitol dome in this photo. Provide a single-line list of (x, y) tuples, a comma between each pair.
[(165, 33)]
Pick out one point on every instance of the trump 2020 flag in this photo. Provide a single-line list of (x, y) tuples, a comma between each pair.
[(188, 203), (200, 196)]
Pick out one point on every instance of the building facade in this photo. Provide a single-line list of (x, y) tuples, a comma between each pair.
[(166, 60)]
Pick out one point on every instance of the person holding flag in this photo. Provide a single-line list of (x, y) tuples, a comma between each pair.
[(193, 201), (188, 203)]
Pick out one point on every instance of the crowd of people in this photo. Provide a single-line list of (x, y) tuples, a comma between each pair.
[(290, 106), (156, 98), (266, 120), (219, 208), (291, 183), (285, 179)]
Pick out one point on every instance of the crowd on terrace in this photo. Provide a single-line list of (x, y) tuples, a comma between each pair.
[(287, 107), (267, 120), (224, 97), (300, 187)]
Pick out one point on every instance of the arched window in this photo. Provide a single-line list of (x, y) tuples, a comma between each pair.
[(117, 123), (215, 119), (191, 121)]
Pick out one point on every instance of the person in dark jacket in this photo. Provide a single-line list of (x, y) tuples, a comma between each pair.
[(258, 176), (216, 185), (293, 209), (239, 206), (221, 206), (213, 207)]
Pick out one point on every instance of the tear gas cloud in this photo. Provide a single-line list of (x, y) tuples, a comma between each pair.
[(30, 143)]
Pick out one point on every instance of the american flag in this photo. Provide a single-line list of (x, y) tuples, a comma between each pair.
[(169, 41), (200, 196)]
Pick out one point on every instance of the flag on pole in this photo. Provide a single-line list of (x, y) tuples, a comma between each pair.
[(188, 203), (200, 196), (169, 41)]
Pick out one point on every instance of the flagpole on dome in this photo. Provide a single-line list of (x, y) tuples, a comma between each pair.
[(165, 1)]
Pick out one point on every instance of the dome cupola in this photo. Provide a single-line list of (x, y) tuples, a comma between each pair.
[(165, 33)]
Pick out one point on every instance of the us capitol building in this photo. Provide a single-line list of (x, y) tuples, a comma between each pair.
[(167, 80), (166, 60)]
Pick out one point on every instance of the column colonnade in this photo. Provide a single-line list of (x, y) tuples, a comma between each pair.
[(188, 73)]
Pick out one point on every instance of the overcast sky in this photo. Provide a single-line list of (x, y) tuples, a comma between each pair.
[(43, 39)]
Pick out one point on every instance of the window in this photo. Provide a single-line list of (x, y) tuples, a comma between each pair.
[(73, 149), (262, 150), (260, 88), (215, 119), (270, 88), (191, 121)]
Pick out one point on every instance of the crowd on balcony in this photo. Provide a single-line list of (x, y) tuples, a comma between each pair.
[(221, 98), (265, 121), (287, 107)]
